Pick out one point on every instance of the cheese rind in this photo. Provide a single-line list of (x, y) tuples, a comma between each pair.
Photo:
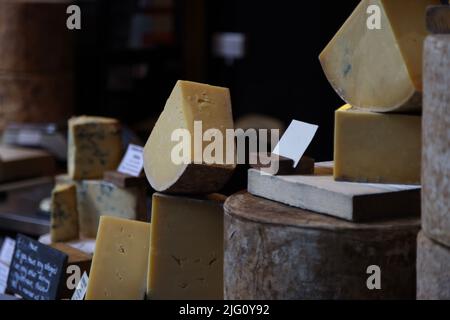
[(188, 102), (95, 146), (186, 250), (64, 213), (119, 265), (377, 148), (379, 69)]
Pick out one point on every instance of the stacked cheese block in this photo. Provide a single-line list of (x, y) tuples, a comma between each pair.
[(374, 183), (36, 61), (180, 254), (82, 196), (379, 74), (433, 246)]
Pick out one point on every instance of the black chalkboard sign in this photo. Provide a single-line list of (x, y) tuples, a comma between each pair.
[(36, 270)]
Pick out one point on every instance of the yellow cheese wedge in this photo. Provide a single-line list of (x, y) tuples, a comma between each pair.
[(379, 69), (376, 147), (189, 102), (120, 262), (186, 251), (64, 213), (95, 146)]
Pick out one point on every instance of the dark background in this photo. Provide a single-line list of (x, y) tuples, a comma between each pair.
[(279, 76)]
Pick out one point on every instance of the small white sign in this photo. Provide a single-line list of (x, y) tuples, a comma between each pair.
[(80, 291), (133, 161), (4, 270), (296, 140), (7, 251)]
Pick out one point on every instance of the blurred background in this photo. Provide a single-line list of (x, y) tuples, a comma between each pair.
[(129, 54), (124, 62)]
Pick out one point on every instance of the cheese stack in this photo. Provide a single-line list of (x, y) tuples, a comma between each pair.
[(433, 251), (186, 247), (180, 254), (273, 251), (95, 146), (374, 63), (36, 61)]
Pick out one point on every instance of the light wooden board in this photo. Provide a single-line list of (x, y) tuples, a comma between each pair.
[(346, 200)]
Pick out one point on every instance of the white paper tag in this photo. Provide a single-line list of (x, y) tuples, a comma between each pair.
[(80, 291), (4, 270), (7, 251), (295, 140), (133, 161)]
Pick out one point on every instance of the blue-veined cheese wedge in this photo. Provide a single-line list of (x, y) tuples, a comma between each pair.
[(379, 69)]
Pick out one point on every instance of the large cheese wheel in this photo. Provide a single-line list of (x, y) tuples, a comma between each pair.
[(436, 140), (433, 269), (273, 251)]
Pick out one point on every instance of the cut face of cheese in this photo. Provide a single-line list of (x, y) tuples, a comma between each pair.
[(119, 265), (98, 197), (64, 213), (95, 146), (186, 250), (377, 148), (187, 103), (379, 69)]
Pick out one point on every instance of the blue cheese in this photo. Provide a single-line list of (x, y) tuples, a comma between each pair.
[(64, 213), (100, 198), (95, 146)]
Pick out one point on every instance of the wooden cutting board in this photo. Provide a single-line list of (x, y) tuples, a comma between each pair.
[(345, 200), (22, 163)]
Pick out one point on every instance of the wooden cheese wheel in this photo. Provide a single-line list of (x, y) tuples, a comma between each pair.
[(273, 251), (433, 270), (436, 139), (34, 36), (35, 98)]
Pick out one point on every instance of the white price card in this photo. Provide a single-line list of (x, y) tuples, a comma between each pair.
[(80, 291), (7, 250), (133, 161), (295, 140), (4, 270)]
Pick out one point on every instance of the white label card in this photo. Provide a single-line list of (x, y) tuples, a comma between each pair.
[(80, 291), (295, 140), (133, 161), (7, 251), (4, 270)]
